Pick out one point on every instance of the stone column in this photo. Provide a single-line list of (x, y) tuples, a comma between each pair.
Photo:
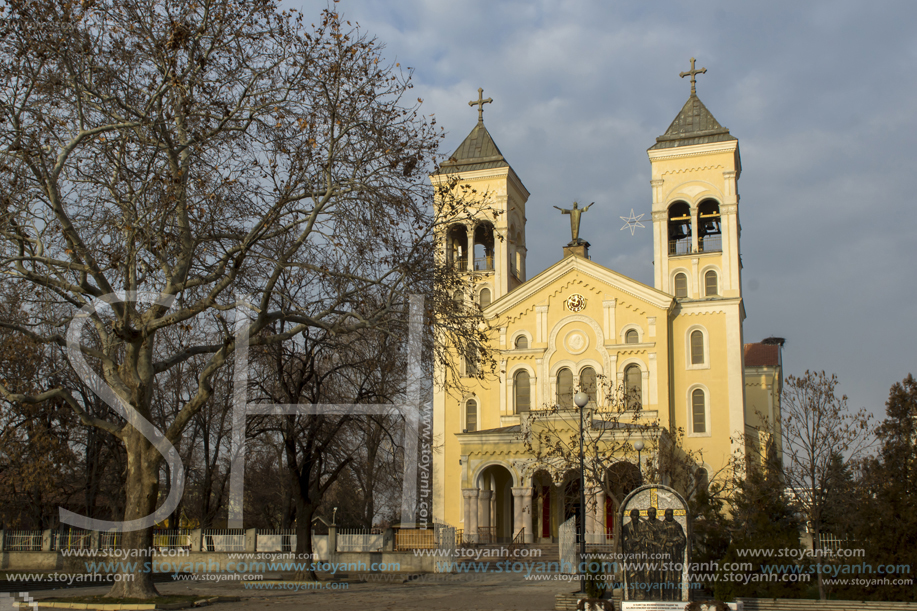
[(471, 514), (522, 513), (470, 232), (484, 498)]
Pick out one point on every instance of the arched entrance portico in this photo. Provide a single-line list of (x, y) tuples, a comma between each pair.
[(495, 509)]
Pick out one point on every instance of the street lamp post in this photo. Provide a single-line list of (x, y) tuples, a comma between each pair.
[(581, 399)]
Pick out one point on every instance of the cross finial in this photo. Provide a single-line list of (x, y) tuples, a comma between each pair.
[(480, 104), (693, 73)]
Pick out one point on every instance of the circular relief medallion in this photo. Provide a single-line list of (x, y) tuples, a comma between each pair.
[(576, 342), (575, 302)]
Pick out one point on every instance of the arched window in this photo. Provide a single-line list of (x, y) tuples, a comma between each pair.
[(632, 337), (698, 411), (484, 247), (522, 342), (523, 391), (633, 387), (709, 233), (471, 362), (565, 388), (485, 298), (587, 383), (681, 285), (471, 416), (697, 347), (679, 229), (710, 284)]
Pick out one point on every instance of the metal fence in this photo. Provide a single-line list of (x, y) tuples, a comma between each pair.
[(829, 541), (110, 539), (179, 538), (22, 541), (359, 540), (71, 539), (414, 538), (223, 540)]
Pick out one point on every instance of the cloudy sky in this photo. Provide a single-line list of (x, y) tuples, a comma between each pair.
[(821, 95)]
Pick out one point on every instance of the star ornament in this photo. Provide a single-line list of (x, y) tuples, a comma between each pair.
[(632, 222)]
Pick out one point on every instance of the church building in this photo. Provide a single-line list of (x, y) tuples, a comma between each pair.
[(672, 354)]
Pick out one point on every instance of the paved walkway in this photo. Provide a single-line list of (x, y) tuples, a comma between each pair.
[(490, 592)]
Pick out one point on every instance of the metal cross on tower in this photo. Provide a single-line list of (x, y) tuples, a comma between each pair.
[(693, 74), (480, 104)]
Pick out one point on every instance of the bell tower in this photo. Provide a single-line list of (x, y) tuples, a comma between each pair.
[(485, 236), (696, 230)]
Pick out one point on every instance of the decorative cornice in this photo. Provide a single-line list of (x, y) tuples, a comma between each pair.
[(695, 169)]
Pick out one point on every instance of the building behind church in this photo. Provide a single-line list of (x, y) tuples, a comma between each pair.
[(673, 353)]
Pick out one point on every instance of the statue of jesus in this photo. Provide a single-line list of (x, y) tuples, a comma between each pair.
[(574, 220)]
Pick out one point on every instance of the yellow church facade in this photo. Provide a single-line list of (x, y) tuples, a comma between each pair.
[(675, 349)]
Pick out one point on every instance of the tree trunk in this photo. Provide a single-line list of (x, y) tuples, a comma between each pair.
[(141, 496), (304, 552), (816, 542)]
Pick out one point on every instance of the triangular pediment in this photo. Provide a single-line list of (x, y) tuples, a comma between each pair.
[(558, 273)]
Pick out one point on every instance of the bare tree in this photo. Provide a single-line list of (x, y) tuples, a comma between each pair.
[(817, 427), (196, 152), (611, 427)]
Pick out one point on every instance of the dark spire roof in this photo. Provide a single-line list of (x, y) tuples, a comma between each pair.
[(477, 152), (693, 125)]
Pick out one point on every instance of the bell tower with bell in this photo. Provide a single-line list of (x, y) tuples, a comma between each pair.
[(485, 237), (695, 169), (696, 233)]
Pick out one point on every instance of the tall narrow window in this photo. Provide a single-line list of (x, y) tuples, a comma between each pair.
[(633, 387), (565, 388), (523, 391), (710, 288), (471, 416), (522, 342), (485, 298), (632, 337), (681, 285), (697, 348), (471, 362), (698, 411), (587, 383)]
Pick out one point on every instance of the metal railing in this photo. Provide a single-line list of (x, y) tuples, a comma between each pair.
[(110, 539), (223, 540), (71, 539), (710, 243), (484, 264), (414, 538), (518, 540), (680, 247), (22, 541), (829, 541), (179, 538), (359, 540)]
